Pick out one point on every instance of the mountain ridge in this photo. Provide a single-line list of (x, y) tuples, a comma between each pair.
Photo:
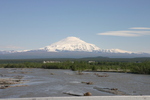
[(71, 47), (71, 44)]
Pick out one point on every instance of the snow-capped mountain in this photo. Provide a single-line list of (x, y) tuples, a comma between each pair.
[(76, 44), (71, 44), (70, 47)]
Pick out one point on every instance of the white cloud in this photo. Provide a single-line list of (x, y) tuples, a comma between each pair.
[(127, 33), (145, 28)]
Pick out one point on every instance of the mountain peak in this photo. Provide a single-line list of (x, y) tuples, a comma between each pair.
[(71, 40), (71, 44)]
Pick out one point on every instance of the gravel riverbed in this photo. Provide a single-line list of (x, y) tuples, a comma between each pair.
[(29, 82)]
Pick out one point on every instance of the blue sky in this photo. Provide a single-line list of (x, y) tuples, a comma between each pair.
[(109, 24)]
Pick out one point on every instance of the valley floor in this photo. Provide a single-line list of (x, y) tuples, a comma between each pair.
[(33, 82)]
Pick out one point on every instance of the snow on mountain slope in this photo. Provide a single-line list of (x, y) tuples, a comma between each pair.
[(71, 44), (115, 51), (76, 44), (8, 52)]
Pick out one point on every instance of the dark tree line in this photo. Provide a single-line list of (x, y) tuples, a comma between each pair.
[(140, 68)]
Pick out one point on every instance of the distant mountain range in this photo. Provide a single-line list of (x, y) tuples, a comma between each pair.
[(70, 47)]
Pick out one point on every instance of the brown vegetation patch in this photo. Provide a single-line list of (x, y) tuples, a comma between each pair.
[(88, 83), (7, 82), (87, 94), (110, 90), (52, 74), (103, 75)]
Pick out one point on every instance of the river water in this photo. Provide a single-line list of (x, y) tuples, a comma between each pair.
[(54, 83)]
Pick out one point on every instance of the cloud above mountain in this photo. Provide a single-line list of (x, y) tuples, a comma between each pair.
[(134, 32), (146, 28)]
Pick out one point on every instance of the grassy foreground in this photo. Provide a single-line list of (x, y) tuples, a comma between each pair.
[(139, 68)]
